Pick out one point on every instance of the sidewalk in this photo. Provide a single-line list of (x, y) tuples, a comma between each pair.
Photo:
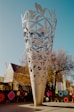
[(52, 107), (59, 104), (46, 107)]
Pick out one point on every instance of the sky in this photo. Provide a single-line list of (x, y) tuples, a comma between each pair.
[(11, 34)]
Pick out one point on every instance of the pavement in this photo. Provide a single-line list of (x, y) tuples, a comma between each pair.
[(45, 107), (52, 107)]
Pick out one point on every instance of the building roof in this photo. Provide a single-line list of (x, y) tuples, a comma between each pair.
[(22, 79), (21, 74), (20, 69), (17, 73)]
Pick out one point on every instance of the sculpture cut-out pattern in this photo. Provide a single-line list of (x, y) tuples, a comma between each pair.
[(38, 27)]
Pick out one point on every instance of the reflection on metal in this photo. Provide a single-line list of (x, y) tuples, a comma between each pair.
[(38, 27)]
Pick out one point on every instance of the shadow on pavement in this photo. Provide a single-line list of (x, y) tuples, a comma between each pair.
[(15, 108), (58, 106)]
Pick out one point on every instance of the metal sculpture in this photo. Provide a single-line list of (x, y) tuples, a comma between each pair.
[(38, 27)]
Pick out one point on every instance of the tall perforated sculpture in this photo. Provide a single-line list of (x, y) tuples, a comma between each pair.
[(38, 27)]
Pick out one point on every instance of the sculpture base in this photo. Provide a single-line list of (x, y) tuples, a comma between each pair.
[(38, 93)]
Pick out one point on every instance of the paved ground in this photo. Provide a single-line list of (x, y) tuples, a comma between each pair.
[(46, 107)]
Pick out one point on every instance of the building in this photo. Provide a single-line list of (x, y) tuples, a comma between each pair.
[(16, 76), (1, 83)]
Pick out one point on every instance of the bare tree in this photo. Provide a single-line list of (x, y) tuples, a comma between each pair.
[(60, 63)]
